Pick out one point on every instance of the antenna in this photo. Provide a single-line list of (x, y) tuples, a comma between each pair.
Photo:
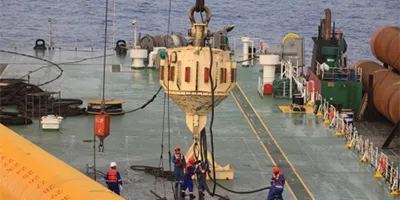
[(114, 22), (50, 42)]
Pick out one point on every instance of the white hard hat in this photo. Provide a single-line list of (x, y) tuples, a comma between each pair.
[(113, 164)]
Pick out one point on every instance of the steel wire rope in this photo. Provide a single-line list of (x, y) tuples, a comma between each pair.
[(212, 137), (169, 128), (103, 91), (161, 161)]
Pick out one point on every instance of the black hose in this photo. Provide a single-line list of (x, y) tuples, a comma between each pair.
[(155, 171), (147, 103), (42, 59)]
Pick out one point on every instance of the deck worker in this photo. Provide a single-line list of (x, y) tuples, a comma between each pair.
[(277, 185), (113, 179), (179, 163), (201, 172), (187, 181)]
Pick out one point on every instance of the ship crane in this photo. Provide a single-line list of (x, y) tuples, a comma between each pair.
[(187, 74)]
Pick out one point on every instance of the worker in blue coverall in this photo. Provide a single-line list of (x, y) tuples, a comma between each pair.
[(179, 163), (113, 178), (277, 185), (187, 181), (201, 172)]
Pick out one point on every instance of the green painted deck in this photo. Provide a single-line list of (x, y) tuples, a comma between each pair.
[(320, 159)]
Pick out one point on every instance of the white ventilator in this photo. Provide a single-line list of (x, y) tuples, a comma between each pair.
[(138, 56), (246, 42), (269, 63)]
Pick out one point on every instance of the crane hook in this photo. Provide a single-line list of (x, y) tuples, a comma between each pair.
[(206, 10)]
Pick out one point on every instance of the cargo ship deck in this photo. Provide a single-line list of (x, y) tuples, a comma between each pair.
[(250, 133)]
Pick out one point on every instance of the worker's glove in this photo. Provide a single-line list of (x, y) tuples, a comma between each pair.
[(120, 187), (203, 171)]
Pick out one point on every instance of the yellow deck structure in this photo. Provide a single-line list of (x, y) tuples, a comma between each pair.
[(29, 172), (288, 109)]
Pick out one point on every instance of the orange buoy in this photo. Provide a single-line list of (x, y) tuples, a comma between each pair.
[(102, 125)]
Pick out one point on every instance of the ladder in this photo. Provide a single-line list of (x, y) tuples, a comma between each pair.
[(363, 107)]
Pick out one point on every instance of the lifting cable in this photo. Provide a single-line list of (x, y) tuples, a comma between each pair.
[(156, 171), (169, 127), (160, 169), (169, 131), (204, 143), (101, 145)]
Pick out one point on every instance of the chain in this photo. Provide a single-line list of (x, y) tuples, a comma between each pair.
[(101, 146)]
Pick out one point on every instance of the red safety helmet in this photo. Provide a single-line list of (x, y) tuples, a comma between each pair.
[(276, 170), (192, 160), (177, 148)]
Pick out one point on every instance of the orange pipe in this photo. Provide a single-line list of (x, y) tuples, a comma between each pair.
[(385, 45), (29, 172), (327, 27), (386, 87)]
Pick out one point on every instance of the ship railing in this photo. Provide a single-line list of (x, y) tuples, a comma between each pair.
[(339, 73), (378, 160)]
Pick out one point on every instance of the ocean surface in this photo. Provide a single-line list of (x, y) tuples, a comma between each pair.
[(81, 23)]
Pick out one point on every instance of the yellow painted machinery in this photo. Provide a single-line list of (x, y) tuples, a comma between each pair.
[(28, 172), (185, 75)]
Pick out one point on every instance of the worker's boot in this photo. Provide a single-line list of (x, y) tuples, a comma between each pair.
[(201, 195), (183, 195), (192, 196)]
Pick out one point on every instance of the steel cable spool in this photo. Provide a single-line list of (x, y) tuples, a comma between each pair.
[(148, 42), (177, 40), (169, 42), (183, 40), (159, 41)]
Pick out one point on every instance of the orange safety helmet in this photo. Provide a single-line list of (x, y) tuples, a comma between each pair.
[(276, 170), (192, 160), (177, 148)]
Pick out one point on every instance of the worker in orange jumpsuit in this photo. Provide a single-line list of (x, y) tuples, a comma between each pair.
[(277, 185), (179, 163), (187, 181), (113, 178)]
